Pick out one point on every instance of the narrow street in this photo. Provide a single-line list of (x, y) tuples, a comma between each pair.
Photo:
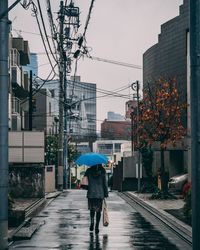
[(65, 225)]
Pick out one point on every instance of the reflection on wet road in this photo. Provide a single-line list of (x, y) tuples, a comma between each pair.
[(67, 227)]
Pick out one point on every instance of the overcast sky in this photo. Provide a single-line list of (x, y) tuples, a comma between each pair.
[(120, 30)]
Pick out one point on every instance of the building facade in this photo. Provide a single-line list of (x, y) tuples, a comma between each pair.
[(33, 65), (42, 117), (116, 130), (81, 101), (19, 84), (169, 59)]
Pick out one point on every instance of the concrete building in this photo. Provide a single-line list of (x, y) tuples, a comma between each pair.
[(114, 149), (33, 65), (112, 116), (43, 118), (81, 98), (26, 148), (130, 106), (19, 84), (169, 59)]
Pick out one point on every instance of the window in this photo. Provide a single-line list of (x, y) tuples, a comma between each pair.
[(49, 108)]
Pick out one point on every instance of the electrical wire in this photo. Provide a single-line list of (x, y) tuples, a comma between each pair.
[(28, 32), (129, 65), (52, 25), (44, 81), (34, 9), (45, 31), (98, 90)]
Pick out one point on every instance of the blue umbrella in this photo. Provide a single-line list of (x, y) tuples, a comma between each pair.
[(91, 159)]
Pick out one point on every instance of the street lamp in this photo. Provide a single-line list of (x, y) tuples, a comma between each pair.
[(135, 87)]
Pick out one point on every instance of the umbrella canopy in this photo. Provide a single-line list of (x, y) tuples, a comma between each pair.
[(92, 159)]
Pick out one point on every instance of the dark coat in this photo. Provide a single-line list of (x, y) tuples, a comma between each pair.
[(97, 183)]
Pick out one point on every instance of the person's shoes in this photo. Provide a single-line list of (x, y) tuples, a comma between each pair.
[(91, 227), (96, 230)]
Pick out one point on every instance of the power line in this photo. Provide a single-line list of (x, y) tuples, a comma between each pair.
[(44, 81), (45, 31), (34, 9), (52, 25), (129, 65)]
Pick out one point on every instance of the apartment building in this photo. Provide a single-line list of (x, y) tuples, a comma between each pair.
[(19, 84)]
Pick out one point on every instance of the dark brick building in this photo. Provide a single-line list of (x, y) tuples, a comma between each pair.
[(116, 130)]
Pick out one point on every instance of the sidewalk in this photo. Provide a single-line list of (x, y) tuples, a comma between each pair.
[(169, 209), (26, 209), (65, 225)]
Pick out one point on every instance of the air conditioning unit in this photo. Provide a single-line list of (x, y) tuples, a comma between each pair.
[(16, 122)]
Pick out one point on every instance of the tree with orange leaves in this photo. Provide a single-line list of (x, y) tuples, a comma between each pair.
[(160, 115)]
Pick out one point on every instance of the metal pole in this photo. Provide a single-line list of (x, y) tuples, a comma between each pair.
[(61, 75), (132, 138), (65, 144), (195, 118), (5, 12), (31, 102), (4, 78), (138, 138)]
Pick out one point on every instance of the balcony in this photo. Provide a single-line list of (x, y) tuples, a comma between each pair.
[(16, 122), (15, 105), (14, 57), (18, 83), (16, 75)]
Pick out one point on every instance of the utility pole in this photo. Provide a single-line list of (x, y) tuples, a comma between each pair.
[(195, 118), (135, 86), (61, 75), (4, 78), (132, 131), (31, 102), (65, 46), (65, 144)]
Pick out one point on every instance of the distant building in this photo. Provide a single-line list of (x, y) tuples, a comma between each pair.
[(81, 99), (130, 106), (114, 149), (33, 65), (112, 116), (116, 130)]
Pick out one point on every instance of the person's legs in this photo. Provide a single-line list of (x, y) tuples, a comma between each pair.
[(92, 213), (98, 217)]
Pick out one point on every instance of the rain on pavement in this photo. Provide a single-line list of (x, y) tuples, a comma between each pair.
[(66, 226)]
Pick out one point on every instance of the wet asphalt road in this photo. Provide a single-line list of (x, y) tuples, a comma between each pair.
[(66, 226)]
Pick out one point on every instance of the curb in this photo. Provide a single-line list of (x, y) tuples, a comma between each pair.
[(31, 211), (172, 222)]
